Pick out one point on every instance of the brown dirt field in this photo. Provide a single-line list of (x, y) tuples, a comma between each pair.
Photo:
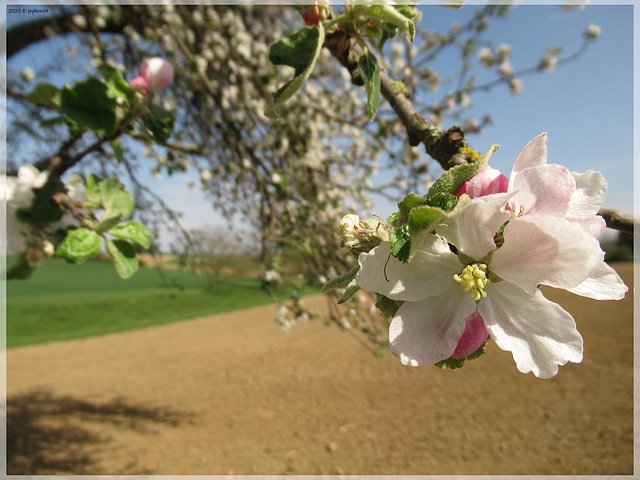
[(233, 394)]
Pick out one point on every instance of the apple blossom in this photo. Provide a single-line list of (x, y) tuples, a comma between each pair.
[(444, 292), (154, 73), (550, 189)]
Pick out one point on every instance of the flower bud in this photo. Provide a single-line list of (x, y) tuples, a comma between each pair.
[(474, 335), (592, 32), (315, 14), (154, 73), (361, 235)]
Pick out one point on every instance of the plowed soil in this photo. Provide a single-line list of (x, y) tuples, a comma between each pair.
[(234, 394)]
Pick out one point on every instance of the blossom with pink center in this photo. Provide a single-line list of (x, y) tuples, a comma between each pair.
[(154, 73), (445, 294), (540, 188)]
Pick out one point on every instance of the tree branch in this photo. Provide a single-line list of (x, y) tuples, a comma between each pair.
[(617, 220)]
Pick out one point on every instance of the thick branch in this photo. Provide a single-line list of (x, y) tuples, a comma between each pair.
[(442, 146)]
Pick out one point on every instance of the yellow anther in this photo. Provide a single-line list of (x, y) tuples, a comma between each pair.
[(473, 280)]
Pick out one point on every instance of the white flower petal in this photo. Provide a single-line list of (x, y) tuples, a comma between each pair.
[(539, 333), (591, 190), (426, 332), (471, 227), (594, 223), (545, 189), (429, 273), (533, 154), (29, 175), (603, 284), (548, 250)]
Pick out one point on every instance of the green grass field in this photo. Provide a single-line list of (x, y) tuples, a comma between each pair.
[(62, 301)]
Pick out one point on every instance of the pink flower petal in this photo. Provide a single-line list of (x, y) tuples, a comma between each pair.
[(139, 84), (539, 333), (474, 336), (487, 181), (533, 154), (545, 189), (543, 249)]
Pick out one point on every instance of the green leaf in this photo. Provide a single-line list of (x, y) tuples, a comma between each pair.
[(160, 123), (342, 281), (404, 208), (79, 245), (400, 243), (386, 305), (422, 221), (451, 180), (443, 201), (300, 51), (43, 209), (116, 145), (132, 231), (21, 269), (115, 199), (124, 257), (51, 122), (116, 82), (92, 189), (45, 94), (90, 104), (389, 14), (370, 72), (107, 223), (349, 292), (119, 202)]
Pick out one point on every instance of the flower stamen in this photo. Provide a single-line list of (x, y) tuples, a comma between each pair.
[(473, 280)]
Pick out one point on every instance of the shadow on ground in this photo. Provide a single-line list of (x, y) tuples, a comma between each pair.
[(49, 434)]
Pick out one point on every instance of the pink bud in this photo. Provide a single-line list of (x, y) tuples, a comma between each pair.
[(139, 84), (315, 14), (157, 72), (486, 182), (474, 335)]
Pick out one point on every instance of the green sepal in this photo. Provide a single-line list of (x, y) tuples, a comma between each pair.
[(124, 257), (133, 231), (90, 104), (116, 83), (43, 210), (451, 180), (79, 244), (45, 94), (453, 363), (342, 281), (21, 269), (369, 69), (300, 51)]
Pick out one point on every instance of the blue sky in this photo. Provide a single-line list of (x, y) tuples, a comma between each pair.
[(585, 106)]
